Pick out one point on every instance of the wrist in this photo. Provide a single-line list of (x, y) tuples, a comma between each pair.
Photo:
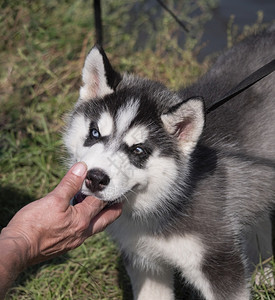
[(13, 259), (14, 253)]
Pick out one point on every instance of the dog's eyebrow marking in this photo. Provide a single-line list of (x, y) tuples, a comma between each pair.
[(105, 124), (126, 115), (136, 135)]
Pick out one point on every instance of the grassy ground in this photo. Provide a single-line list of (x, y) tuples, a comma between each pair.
[(42, 51)]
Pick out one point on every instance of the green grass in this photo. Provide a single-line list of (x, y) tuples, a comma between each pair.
[(42, 50), (263, 280)]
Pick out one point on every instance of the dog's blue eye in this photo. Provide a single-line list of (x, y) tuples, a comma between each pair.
[(138, 150), (94, 133)]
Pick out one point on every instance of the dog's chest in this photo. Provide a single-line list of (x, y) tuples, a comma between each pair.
[(182, 251)]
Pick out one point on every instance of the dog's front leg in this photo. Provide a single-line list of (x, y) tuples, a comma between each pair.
[(157, 285)]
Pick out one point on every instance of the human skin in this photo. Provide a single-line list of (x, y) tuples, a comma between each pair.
[(50, 226)]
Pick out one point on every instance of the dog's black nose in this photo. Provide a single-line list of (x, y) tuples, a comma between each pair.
[(96, 180)]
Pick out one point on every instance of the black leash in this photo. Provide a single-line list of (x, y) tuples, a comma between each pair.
[(245, 84), (173, 15)]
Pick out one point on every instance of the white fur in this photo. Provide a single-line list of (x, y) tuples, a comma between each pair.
[(146, 285), (136, 135), (93, 77), (106, 124), (125, 115), (78, 129), (160, 174), (187, 255)]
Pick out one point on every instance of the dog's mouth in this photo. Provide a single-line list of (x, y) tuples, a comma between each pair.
[(79, 197)]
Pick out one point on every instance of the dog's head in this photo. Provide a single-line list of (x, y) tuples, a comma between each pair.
[(134, 134)]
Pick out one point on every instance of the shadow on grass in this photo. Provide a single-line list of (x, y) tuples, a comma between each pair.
[(31, 272), (11, 200)]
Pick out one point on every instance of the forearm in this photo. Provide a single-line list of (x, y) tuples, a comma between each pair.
[(13, 258)]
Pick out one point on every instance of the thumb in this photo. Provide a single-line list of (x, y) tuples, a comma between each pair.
[(71, 182)]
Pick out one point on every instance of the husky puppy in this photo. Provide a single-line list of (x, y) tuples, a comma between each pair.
[(189, 183)]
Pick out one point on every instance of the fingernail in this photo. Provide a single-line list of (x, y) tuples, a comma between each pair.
[(79, 169)]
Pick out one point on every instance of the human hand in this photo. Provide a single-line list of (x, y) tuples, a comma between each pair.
[(51, 226)]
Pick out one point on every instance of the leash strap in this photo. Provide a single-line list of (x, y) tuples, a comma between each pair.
[(245, 84)]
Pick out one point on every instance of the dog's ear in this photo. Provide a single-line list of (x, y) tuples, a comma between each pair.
[(98, 76), (185, 121)]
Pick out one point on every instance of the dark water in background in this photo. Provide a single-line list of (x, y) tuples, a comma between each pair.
[(245, 12), (214, 38)]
